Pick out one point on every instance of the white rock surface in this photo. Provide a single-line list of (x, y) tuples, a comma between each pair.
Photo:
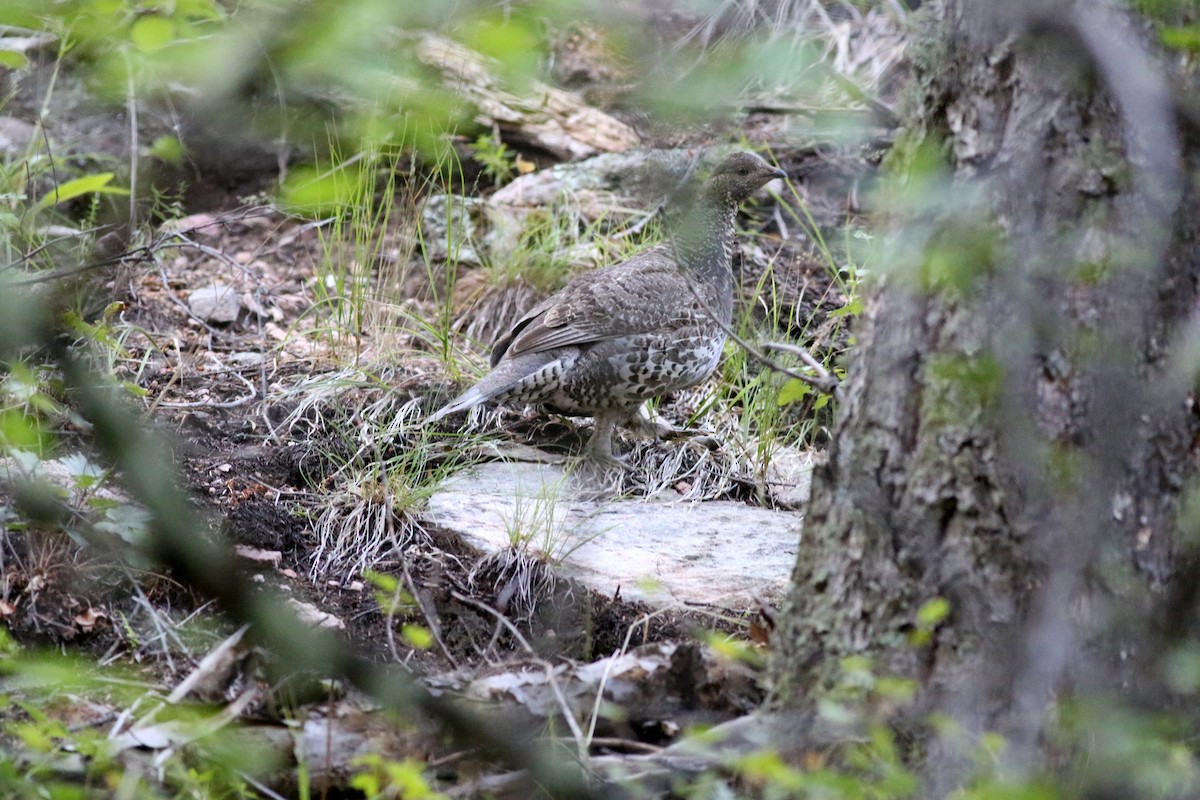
[(627, 184), (16, 136), (722, 552), (215, 303), (453, 228)]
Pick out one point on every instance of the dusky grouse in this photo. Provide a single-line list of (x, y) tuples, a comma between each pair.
[(614, 337)]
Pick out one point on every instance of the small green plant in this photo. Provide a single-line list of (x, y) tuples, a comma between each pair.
[(85, 186), (494, 157), (372, 508), (379, 778), (539, 528), (352, 197), (869, 765), (28, 409)]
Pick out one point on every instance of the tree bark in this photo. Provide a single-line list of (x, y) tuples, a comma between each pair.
[(1017, 429)]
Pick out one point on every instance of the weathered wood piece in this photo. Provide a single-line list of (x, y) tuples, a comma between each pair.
[(557, 121)]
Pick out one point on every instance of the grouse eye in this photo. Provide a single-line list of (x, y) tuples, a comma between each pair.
[(743, 170)]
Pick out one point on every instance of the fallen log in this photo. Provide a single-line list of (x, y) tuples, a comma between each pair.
[(542, 116)]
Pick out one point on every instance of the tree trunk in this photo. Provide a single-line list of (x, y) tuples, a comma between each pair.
[(1017, 430)]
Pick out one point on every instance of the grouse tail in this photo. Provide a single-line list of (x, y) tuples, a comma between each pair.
[(527, 375), (468, 399)]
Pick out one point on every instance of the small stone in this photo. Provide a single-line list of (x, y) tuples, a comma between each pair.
[(216, 303), (246, 359), (311, 615), (197, 225), (451, 226), (259, 556), (789, 476)]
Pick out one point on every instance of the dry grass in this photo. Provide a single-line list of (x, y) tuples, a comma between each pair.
[(860, 47)]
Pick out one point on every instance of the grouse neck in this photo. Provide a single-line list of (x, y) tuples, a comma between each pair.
[(704, 239)]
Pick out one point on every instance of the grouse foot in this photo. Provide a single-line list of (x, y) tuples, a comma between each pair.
[(653, 425)]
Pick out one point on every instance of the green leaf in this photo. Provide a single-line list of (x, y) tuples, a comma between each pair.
[(901, 689), (793, 391), (992, 743), (129, 522), (837, 713), (20, 431), (168, 149), (152, 33), (417, 637), (310, 191), (13, 60), (388, 583), (852, 308), (1182, 38), (88, 184), (933, 612)]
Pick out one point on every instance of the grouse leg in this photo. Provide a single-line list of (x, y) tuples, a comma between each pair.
[(598, 450)]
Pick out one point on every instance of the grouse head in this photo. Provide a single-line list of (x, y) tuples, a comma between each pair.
[(737, 177)]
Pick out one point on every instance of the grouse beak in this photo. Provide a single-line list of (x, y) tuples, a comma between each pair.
[(778, 173)]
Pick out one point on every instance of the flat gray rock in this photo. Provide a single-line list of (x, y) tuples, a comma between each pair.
[(660, 551)]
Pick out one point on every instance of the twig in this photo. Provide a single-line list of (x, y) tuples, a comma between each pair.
[(595, 715), (141, 253), (754, 352), (824, 381), (551, 678), (241, 401), (131, 112), (430, 616), (630, 745)]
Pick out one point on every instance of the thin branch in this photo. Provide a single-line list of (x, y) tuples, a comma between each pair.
[(240, 401), (430, 615), (551, 678), (137, 253), (823, 380)]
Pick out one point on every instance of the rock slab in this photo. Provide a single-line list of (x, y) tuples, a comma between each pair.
[(660, 551)]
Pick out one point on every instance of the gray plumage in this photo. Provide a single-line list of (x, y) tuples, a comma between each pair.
[(615, 337)]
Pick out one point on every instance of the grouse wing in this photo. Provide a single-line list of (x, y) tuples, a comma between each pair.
[(641, 295)]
